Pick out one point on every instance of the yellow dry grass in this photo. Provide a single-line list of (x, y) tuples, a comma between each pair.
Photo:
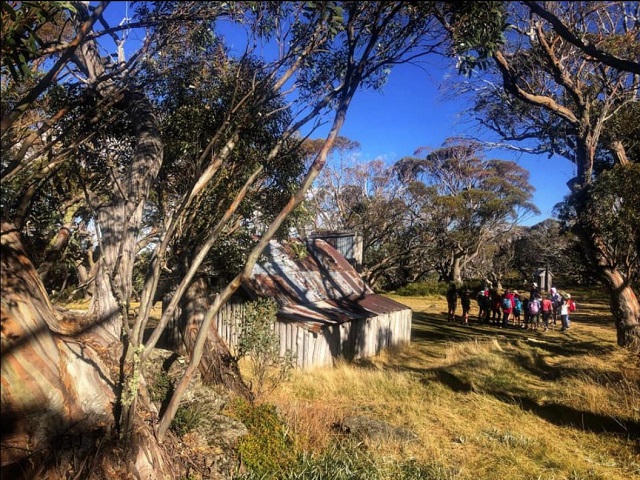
[(486, 403)]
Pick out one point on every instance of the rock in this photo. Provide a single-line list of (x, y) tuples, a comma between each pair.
[(367, 427), (164, 367), (211, 443), (224, 431)]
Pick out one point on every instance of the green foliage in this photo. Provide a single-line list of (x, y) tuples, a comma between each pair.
[(612, 204), (161, 387), (474, 285), (268, 448), (260, 344), (187, 418), (26, 27), (465, 201), (348, 460), (477, 31), (547, 244), (423, 289), (609, 208), (208, 89)]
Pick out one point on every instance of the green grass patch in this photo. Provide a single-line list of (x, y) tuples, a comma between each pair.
[(267, 449)]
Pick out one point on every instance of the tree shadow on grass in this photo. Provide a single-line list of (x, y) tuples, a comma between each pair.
[(434, 328), (603, 320), (450, 380), (558, 414), (569, 345), (564, 415)]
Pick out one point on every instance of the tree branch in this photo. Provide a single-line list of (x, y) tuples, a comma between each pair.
[(599, 55)]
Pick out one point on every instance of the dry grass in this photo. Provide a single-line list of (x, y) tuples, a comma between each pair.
[(486, 403)]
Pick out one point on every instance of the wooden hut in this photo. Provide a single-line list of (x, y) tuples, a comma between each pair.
[(326, 310), (544, 278)]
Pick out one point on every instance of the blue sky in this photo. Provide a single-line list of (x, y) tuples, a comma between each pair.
[(411, 112)]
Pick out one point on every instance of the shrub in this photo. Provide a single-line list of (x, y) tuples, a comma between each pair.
[(267, 449), (161, 387), (259, 343), (187, 418)]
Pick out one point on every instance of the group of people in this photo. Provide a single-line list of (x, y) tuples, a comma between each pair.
[(537, 311)]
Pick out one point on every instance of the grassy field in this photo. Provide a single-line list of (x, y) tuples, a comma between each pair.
[(482, 403)]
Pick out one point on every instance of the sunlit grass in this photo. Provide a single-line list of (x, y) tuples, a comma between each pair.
[(484, 403)]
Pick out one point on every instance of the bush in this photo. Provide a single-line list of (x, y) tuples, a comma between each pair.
[(260, 345), (268, 448), (475, 285), (160, 389), (187, 418)]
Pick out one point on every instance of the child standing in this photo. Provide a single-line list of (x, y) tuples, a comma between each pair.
[(556, 300), (465, 301), (483, 305), (534, 312), (517, 309), (452, 300), (564, 313), (525, 312), (547, 311), (566, 307)]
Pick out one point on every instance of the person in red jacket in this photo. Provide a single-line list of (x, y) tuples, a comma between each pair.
[(547, 311)]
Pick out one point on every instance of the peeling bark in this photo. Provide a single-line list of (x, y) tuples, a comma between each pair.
[(624, 306), (51, 384), (623, 301), (59, 384)]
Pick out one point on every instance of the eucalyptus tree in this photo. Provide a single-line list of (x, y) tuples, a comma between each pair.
[(95, 119), (192, 117), (548, 245), (329, 200), (564, 82), (474, 200), (365, 197), (497, 260)]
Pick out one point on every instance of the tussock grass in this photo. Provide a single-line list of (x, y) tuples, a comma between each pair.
[(483, 403)]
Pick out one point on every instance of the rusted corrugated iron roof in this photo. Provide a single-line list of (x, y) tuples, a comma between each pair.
[(315, 316), (379, 304), (291, 278), (318, 288)]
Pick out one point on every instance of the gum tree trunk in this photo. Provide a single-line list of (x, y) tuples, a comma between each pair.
[(626, 311), (217, 365), (624, 306), (59, 384)]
